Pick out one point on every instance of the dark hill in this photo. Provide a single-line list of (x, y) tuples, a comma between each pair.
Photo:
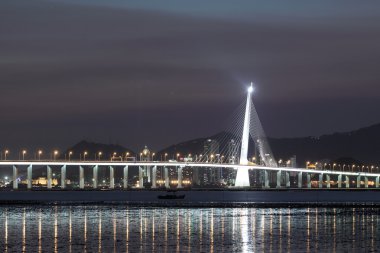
[(360, 145), (93, 149)]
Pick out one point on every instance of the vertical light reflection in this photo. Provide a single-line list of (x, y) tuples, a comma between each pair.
[(372, 233), (244, 229), (178, 239), (55, 230), (263, 230), (100, 232), (289, 230), (85, 230), (166, 230), (145, 226), (325, 217), (127, 232), (70, 231), (153, 230), (212, 231), (270, 230), (363, 224), (189, 230), (141, 229), (200, 230), (40, 231), (114, 229), (23, 231), (316, 228), (334, 230), (353, 223), (234, 217), (223, 215), (6, 230), (308, 231), (253, 217), (280, 231)]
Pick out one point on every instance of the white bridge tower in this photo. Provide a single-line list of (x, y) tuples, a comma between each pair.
[(242, 177)]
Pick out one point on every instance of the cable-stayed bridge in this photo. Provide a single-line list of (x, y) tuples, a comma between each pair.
[(251, 128)]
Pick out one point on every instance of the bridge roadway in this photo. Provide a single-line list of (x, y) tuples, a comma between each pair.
[(180, 165)]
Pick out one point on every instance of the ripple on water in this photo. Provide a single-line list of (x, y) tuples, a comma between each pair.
[(120, 228)]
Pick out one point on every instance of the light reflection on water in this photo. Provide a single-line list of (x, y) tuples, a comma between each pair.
[(126, 229)]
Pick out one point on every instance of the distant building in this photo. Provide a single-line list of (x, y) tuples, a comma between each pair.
[(210, 148), (232, 151), (43, 181)]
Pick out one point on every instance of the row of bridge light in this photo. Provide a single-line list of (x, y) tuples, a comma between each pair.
[(38, 155), (341, 167), (54, 154)]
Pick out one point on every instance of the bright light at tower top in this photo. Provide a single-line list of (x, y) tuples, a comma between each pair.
[(250, 89)]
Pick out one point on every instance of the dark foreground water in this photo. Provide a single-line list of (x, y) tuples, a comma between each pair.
[(126, 229)]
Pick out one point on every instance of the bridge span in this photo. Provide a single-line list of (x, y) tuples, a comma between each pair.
[(304, 176)]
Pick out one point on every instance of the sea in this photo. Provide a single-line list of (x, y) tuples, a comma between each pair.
[(121, 228)]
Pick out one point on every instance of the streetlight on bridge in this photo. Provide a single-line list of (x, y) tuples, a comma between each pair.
[(23, 154), (39, 154), (70, 154), (6, 152), (55, 154)]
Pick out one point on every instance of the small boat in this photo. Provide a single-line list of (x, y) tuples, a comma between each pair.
[(171, 195)]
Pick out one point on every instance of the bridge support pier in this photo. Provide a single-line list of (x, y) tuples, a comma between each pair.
[(95, 176), (14, 177), (179, 177), (48, 169), (112, 178), (29, 176), (195, 176), (148, 173), (63, 177), (287, 179), (358, 182), (141, 182), (154, 175), (81, 177), (328, 184), (347, 181), (308, 176), (340, 181), (278, 179), (266, 179), (320, 181), (377, 182), (166, 174), (125, 177), (299, 179), (366, 182)]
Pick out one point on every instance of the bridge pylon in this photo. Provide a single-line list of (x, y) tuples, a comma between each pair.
[(242, 177)]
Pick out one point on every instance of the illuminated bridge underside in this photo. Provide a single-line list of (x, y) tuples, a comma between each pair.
[(324, 175)]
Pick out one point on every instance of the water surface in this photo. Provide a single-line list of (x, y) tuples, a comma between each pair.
[(125, 229)]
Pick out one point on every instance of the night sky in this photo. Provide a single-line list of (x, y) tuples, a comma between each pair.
[(161, 72)]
